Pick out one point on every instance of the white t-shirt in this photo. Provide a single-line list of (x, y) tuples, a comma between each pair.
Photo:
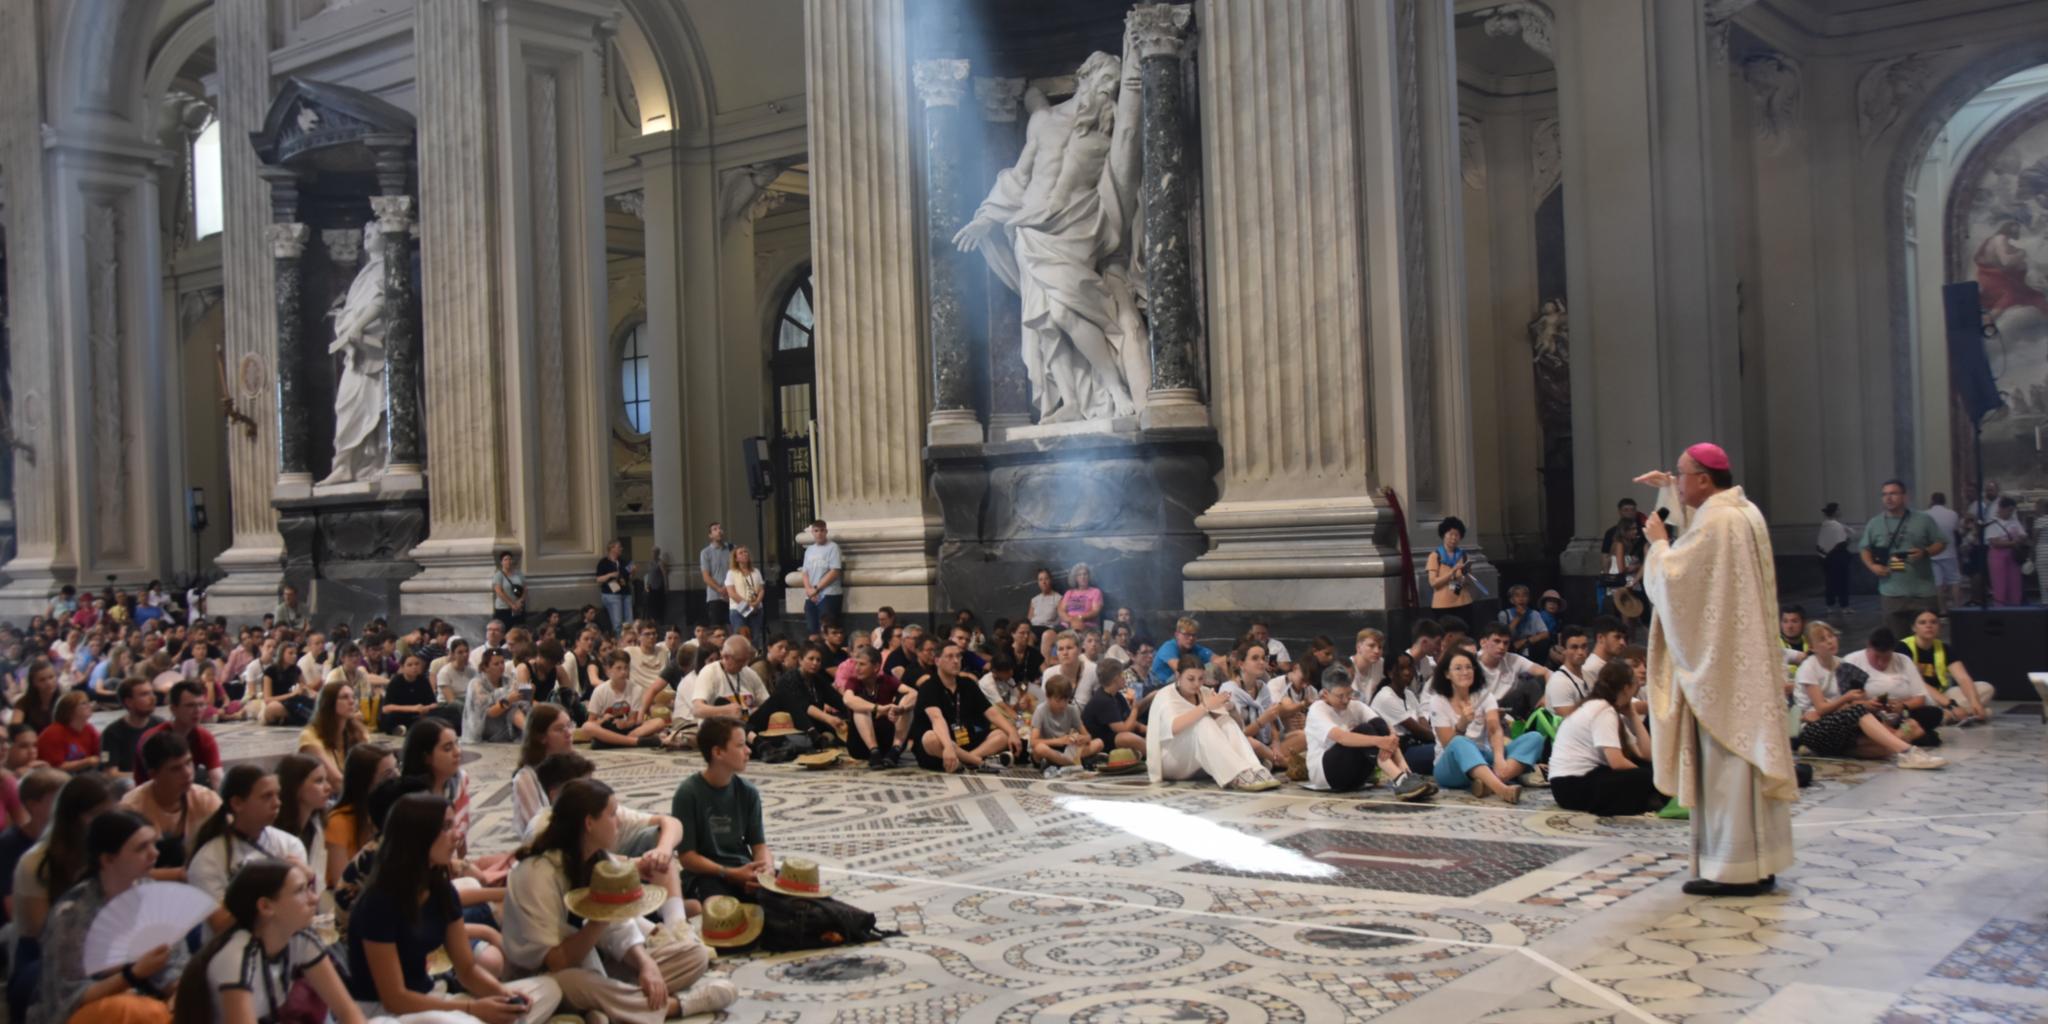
[(241, 964), (1503, 675), (1321, 719), (452, 682), (609, 693), (1899, 681), (1565, 691), (1811, 673), (213, 865), (1045, 610), (1443, 716), (1399, 707), (1576, 751), (714, 682), (1277, 651), (1243, 706), (1084, 687), (1591, 669), (999, 692), (647, 666)]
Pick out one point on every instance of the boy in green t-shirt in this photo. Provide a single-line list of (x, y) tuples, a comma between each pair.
[(725, 849)]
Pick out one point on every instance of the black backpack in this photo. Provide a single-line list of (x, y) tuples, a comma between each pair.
[(794, 923)]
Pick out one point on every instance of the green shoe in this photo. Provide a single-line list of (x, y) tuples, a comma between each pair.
[(1675, 811)]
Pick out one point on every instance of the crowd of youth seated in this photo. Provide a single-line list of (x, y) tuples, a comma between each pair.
[(1071, 689)]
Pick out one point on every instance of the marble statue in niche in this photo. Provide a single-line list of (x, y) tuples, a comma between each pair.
[(1058, 227), (1550, 340), (359, 320)]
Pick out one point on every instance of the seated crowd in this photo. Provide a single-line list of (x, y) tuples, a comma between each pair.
[(593, 912)]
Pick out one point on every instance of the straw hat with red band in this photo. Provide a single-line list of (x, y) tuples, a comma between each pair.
[(615, 893), (781, 724), (729, 924), (797, 876)]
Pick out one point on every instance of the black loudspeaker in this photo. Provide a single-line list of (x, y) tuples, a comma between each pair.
[(760, 467), (2001, 645), (1968, 367)]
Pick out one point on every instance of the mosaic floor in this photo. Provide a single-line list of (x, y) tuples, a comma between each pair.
[(1917, 898)]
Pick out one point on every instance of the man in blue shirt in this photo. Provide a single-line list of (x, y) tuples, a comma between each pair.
[(1182, 645), (824, 591)]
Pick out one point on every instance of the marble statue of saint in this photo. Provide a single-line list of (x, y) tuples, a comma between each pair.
[(1550, 338), (359, 396), (1058, 228)]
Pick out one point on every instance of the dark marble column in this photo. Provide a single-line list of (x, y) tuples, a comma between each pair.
[(1159, 33), (403, 446), (1009, 389), (941, 84), (287, 240), (401, 343)]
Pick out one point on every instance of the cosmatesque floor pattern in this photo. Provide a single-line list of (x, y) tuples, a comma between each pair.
[(1917, 897)]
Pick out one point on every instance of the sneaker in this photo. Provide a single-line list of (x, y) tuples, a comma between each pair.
[(1053, 771), (707, 995), (1970, 720), (1004, 758), (1410, 786), (1537, 777), (1914, 757), (1094, 762), (880, 759), (990, 767)]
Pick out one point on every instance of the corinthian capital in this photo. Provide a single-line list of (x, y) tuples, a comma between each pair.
[(394, 213), (1159, 30), (287, 240), (941, 83)]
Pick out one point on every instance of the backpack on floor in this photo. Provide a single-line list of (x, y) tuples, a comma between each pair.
[(793, 923)]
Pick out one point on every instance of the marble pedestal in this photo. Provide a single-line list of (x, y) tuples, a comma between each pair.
[(1125, 503), (349, 552)]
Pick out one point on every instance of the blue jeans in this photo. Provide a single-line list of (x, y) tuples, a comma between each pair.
[(758, 621), (820, 608), (1454, 764), (618, 608)]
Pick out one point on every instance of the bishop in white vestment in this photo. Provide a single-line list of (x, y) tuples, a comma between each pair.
[(1716, 689)]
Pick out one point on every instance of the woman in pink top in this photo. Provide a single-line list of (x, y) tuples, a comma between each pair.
[(1081, 605)]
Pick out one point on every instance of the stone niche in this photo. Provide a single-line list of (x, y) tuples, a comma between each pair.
[(1125, 504), (1022, 485), (340, 165)]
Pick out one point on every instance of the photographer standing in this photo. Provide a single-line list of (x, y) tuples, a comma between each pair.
[(1898, 547), (1450, 585)]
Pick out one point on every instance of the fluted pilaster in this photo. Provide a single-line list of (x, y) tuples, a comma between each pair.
[(1311, 173), (869, 468), (253, 559)]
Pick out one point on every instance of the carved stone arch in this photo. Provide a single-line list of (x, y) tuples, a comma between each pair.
[(169, 60), (99, 60), (672, 44), (1916, 134)]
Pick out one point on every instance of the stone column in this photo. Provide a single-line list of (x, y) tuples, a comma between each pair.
[(1174, 320), (287, 239), (1009, 391), (1356, 100), (869, 470), (401, 348), (941, 84), (253, 560), (1654, 365)]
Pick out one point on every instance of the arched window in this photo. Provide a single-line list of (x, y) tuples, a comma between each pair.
[(792, 373), (635, 404), (206, 181)]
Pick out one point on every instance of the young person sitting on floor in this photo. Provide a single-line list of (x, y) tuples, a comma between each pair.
[(1059, 741), (1190, 731), (1600, 761), (1110, 716), (954, 727), (1464, 715), (1348, 743), (727, 847), (615, 718), (246, 974), (883, 709), (1839, 717), (1402, 702), (599, 952), (407, 908)]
